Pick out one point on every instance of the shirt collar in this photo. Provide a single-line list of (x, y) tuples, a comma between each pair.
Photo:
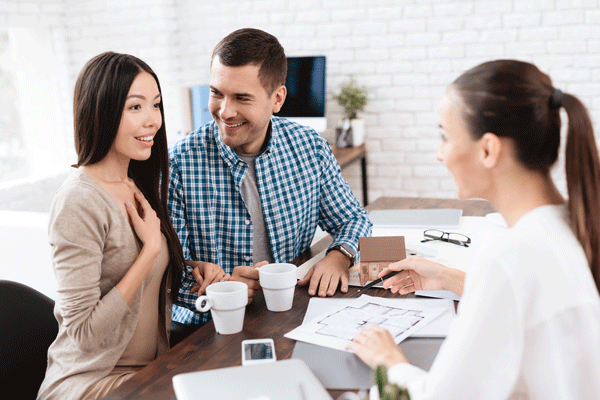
[(231, 157)]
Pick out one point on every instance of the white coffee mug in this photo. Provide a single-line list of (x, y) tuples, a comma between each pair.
[(278, 282), (227, 304)]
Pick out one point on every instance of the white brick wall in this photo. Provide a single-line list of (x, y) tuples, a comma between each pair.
[(405, 51)]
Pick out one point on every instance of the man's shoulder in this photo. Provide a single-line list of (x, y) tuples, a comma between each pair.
[(293, 133), (196, 141)]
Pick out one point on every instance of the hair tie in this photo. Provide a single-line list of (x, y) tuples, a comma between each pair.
[(556, 99)]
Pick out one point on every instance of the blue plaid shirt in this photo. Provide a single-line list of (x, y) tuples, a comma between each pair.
[(300, 186)]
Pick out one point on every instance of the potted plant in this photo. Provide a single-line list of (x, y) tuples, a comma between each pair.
[(383, 390), (353, 99)]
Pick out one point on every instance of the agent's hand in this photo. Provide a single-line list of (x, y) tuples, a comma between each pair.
[(145, 223), (206, 273), (375, 345), (420, 274), (248, 275), (327, 274)]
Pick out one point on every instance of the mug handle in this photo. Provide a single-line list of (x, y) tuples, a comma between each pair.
[(207, 305)]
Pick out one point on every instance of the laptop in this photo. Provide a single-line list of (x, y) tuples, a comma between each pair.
[(286, 379), (442, 218), (342, 370)]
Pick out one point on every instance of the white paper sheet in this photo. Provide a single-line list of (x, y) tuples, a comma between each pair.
[(438, 328), (338, 326)]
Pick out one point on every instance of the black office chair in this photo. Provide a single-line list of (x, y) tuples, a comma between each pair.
[(27, 328)]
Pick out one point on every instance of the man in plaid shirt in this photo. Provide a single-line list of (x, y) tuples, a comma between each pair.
[(250, 188)]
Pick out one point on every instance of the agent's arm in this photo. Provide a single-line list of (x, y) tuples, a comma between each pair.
[(420, 274)]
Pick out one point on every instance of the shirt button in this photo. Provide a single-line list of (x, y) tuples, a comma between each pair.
[(247, 222), (168, 290), (247, 258)]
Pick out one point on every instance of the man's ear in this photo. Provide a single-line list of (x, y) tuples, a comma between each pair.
[(278, 97), (491, 149)]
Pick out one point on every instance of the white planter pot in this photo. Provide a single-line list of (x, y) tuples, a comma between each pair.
[(358, 131), (374, 393)]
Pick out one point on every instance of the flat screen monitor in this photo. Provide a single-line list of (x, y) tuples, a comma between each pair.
[(305, 100)]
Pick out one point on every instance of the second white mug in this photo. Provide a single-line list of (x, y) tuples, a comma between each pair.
[(278, 282)]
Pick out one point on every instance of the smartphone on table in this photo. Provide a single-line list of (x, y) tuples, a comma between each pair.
[(258, 351)]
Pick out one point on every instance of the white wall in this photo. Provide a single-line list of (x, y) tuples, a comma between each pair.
[(405, 51)]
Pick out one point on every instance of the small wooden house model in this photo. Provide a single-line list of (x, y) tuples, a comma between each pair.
[(377, 253)]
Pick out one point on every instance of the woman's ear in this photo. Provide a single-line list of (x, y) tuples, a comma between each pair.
[(491, 149)]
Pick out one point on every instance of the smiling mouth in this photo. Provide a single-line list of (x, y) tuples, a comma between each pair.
[(233, 126), (145, 138)]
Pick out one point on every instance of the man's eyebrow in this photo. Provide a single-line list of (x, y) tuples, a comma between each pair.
[(236, 94)]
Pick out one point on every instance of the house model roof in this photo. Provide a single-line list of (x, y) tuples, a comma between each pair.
[(382, 248)]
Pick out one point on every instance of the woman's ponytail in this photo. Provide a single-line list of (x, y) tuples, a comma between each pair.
[(582, 164)]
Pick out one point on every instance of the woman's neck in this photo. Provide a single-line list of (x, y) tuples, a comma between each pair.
[(520, 192), (108, 170)]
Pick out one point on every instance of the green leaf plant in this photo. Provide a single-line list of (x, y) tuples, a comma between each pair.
[(388, 391), (352, 98)]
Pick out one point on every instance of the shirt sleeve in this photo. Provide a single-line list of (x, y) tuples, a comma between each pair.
[(340, 213), (177, 212), (481, 356), (77, 235)]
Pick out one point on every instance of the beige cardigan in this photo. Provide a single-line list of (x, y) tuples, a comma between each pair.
[(93, 246)]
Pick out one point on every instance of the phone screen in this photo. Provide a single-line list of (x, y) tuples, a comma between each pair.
[(258, 351)]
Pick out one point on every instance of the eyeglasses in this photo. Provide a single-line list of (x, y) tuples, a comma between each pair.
[(450, 237)]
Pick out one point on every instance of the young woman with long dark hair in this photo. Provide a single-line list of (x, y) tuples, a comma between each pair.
[(117, 259)]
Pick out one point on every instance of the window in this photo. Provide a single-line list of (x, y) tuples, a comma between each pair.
[(13, 159), (34, 143)]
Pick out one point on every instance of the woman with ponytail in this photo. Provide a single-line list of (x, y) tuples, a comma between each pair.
[(528, 323)]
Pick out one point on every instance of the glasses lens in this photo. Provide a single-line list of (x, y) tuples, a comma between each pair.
[(433, 234), (457, 238)]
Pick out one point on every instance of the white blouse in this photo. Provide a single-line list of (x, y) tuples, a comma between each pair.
[(528, 323)]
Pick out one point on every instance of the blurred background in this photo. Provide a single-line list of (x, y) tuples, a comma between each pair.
[(405, 52)]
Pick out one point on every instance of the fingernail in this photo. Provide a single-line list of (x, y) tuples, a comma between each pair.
[(128, 204), (311, 292)]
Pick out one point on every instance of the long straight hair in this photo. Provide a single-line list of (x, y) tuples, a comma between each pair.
[(100, 93), (515, 99)]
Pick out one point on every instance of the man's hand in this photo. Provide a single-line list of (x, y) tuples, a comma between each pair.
[(206, 273), (248, 275), (327, 274)]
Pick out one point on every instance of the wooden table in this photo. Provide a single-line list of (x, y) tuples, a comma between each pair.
[(205, 349), (349, 155)]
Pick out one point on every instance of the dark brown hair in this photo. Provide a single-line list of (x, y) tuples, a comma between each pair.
[(515, 99), (100, 93), (254, 47)]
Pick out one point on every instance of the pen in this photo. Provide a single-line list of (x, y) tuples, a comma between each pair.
[(379, 280)]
